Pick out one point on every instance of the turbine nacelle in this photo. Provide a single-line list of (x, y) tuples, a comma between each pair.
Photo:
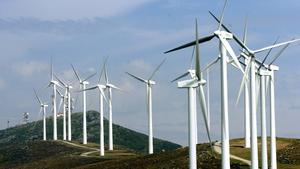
[(193, 83), (151, 82), (54, 82), (100, 86), (273, 67), (223, 34), (84, 82)]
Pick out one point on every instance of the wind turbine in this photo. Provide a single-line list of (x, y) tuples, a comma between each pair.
[(83, 83), (43, 108), (109, 87), (63, 101), (101, 89), (268, 72), (54, 84), (224, 47), (149, 83), (251, 66), (192, 84), (68, 88)]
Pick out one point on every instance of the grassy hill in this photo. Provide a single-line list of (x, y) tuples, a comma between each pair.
[(123, 137), (59, 155), (288, 152), (21, 148)]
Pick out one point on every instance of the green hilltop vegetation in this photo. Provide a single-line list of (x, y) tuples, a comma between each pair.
[(21, 147), (123, 137)]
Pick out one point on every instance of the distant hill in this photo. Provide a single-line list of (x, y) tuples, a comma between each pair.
[(123, 137)]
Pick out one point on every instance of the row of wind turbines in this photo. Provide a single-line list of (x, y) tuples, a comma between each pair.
[(56, 82), (257, 75), (258, 79)]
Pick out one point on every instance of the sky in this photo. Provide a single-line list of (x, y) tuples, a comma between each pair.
[(134, 34)]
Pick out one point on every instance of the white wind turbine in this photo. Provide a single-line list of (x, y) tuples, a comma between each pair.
[(224, 47), (101, 89), (268, 72), (149, 83), (192, 84), (83, 83), (43, 108), (68, 88), (109, 87), (54, 84), (63, 101), (252, 67)]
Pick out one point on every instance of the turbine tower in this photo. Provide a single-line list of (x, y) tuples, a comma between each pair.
[(149, 83), (54, 84), (192, 84), (268, 72), (68, 88), (43, 108), (63, 102), (101, 89), (83, 83), (109, 87)]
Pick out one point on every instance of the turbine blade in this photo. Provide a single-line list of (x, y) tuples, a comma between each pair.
[(279, 53), (211, 64), (60, 103), (105, 74), (204, 111), (232, 54), (202, 40), (234, 37), (59, 92), (76, 74), (197, 59), (185, 74), (102, 70), (60, 81), (91, 88), (157, 68), (275, 46), (138, 78), (244, 81), (103, 95), (115, 87), (262, 63), (90, 76), (222, 15), (39, 116), (245, 31), (37, 97), (192, 58), (51, 68)]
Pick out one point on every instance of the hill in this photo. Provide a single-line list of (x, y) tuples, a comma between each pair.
[(123, 137)]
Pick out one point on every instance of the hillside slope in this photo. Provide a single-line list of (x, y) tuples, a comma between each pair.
[(123, 137)]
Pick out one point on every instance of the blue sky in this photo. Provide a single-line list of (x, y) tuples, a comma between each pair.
[(135, 33)]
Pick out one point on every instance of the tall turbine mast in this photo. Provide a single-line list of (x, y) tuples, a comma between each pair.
[(54, 84), (101, 89), (68, 88), (149, 83), (43, 108), (109, 87), (83, 83)]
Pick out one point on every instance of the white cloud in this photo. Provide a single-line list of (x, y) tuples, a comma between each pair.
[(30, 68), (67, 9)]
